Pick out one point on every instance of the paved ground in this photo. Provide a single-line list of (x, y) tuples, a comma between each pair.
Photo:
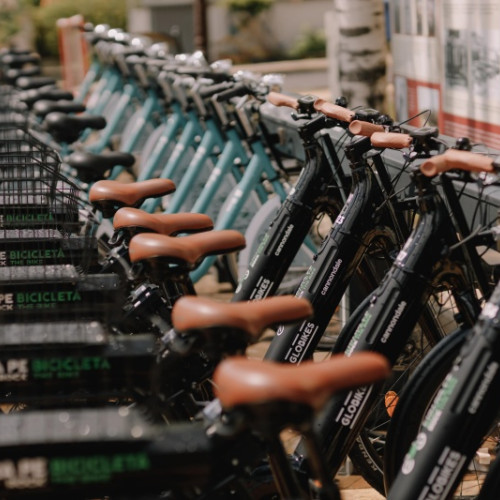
[(353, 487)]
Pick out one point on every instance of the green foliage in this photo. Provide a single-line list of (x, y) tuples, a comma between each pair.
[(250, 7), (10, 20), (312, 43), (112, 12)]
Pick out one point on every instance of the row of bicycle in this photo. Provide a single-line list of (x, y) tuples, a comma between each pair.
[(403, 251)]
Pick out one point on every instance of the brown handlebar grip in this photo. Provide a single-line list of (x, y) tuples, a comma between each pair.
[(390, 140), (455, 158), (432, 166), (333, 110), (279, 99), (358, 127)]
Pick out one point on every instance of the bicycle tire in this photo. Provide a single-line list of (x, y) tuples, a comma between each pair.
[(368, 452), (414, 401), (414, 409)]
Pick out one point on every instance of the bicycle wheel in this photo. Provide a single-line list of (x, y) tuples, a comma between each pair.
[(435, 322), (412, 407)]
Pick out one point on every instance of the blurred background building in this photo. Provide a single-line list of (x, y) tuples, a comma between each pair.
[(439, 59)]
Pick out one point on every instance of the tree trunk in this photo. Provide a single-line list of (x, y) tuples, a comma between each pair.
[(358, 52), (200, 26)]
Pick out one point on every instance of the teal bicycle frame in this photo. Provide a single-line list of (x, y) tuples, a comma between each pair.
[(171, 128), (233, 150), (212, 142), (109, 83), (129, 143), (192, 129), (258, 164), (128, 95), (93, 75)]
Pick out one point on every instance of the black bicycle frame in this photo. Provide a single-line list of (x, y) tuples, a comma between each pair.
[(358, 224), (321, 176), (393, 311), (460, 416)]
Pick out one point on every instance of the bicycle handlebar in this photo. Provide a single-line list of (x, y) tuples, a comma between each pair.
[(216, 76), (240, 89), (455, 158), (358, 127), (391, 140), (216, 88), (279, 99), (334, 111)]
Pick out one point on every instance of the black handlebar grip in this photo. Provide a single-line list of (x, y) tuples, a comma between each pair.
[(240, 89), (218, 76), (18, 60), (216, 88)]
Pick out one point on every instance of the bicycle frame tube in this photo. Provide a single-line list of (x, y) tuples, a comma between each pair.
[(470, 251), (342, 182), (211, 140), (232, 150), (235, 202), (334, 265), (130, 91), (386, 325), (111, 82), (149, 106), (244, 188), (94, 94), (90, 77), (267, 168), (174, 122), (288, 230), (191, 130)]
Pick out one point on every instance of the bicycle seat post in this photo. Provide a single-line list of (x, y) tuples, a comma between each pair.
[(323, 486), (284, 476)]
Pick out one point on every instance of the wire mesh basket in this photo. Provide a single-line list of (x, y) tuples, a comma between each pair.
[(48, 254)]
